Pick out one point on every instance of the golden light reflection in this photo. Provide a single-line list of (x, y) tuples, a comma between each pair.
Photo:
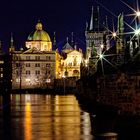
[(27, 122), (86, 123), (67, 117), (49, 117)]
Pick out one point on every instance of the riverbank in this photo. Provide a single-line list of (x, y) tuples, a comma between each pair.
[(105, 119)]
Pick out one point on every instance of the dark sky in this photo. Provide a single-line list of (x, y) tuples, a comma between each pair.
[(62, 16)]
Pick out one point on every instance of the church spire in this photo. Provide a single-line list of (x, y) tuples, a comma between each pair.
[(54, 39), (120, 41), (72, 39), (91, 20), (94, 21), (86, 26), (67, 39), (12, 48), (12, 40)]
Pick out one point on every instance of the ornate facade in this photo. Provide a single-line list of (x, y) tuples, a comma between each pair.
[(71, 61), (38, 66)]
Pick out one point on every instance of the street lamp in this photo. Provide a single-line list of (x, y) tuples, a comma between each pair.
[(114, 34), (101, 56), (138, 13), (137, 31)]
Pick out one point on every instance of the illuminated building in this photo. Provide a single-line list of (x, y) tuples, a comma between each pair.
[(120, 49), (71, 61), (94, 35), (94, 40), (36, 67)]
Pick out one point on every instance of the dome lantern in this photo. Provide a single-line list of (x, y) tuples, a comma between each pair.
[(39, 26), (39, 34)]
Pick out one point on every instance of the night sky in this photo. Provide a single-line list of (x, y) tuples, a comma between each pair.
[(62, 16)]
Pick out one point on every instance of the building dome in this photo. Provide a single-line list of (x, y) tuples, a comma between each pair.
[(39, 34)]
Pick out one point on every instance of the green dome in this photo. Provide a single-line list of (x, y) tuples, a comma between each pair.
[(39, 34)]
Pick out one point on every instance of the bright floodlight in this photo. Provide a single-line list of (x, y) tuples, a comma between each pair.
[(138, 13), (137, 31), (102, 46), (114, 34), (101, 56)]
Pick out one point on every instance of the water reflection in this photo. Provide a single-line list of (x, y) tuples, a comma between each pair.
[(27, 121), (45, 117)]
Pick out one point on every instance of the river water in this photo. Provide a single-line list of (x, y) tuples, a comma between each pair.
[(48, 117), (43, 117)]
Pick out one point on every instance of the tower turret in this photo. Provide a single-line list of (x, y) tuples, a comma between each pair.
[(120, 30), (12, 47), (54, 40), (72, 39), (120, 40)]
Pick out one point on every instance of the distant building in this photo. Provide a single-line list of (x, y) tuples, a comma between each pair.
[(95, 41), (38, 66), (5, 71), (71, 61), (94, 35)]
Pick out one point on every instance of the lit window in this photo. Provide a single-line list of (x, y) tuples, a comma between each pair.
[(1, 75), (17, 80), (48, 80), (28, 80)]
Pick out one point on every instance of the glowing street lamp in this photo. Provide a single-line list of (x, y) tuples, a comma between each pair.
[(102, 46), (114, 34), (138, 13), (137, 31), (101, 56)]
